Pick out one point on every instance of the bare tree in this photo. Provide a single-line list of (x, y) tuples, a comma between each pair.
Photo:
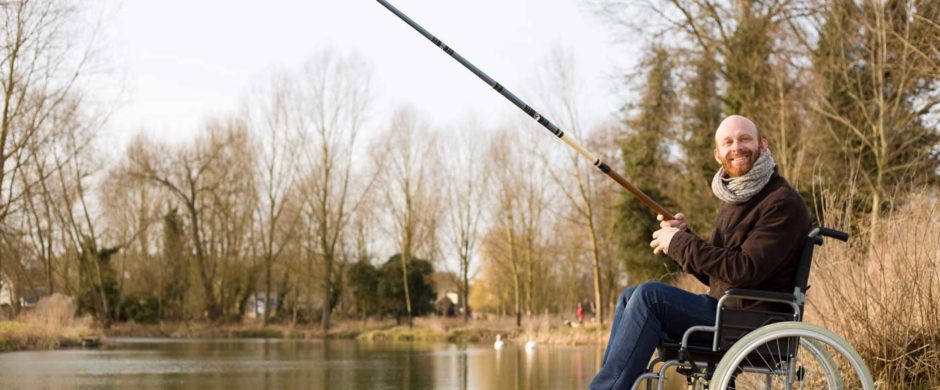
[(97, 279), (466, 194), (409, 196), (877, 68), (562, 89), (270, 113), (334, 102), (604, 140), (39, 66), (55, 175), (194, 176), (504, 245), (754, 50)]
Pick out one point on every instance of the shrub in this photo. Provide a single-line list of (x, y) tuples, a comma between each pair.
[(142, 308), (883, 298)]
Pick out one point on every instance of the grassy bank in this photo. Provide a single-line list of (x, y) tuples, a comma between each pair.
[(50, 325), (15, 336), (246, 329), (544, 330)]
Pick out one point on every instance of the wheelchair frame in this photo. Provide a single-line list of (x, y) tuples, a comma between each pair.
[(733, 325)]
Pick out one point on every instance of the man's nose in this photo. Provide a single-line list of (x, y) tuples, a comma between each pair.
[(737, 146)]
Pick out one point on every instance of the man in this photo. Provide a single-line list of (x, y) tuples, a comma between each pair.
[(761, 225)]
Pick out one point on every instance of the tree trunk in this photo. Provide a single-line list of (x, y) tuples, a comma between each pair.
[(875, 217), (405, 258), (465, 294), (211, 306), (515, 286), (514, 267), (267, 290), (327, 292), (309, 291), (529, 278), (595, 256)]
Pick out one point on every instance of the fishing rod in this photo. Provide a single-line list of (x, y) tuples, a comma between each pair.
[(649, 202)]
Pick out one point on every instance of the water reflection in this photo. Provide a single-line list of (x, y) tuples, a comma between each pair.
[(313, 364)]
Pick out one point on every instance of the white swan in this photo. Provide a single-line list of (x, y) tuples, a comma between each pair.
[(499, 344), (530, 345)]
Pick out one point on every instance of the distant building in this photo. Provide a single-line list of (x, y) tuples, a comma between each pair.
[(448, 304), (6, 293), (445, 307), (10, 293), (255, 306)]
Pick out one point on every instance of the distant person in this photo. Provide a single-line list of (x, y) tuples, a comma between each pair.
[(756, 244), (580, 313)]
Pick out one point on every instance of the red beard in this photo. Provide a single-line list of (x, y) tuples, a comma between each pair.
[(745, 161)]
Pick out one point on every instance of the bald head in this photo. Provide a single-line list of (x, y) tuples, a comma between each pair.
[(735, 123), (738, 144)]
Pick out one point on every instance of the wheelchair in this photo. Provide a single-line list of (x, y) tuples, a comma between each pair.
[(764, 348)]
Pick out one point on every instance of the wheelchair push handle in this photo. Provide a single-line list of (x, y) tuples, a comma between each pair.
[(824, 231)]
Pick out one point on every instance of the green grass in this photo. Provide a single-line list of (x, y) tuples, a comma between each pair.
[(8, 330), (15, 335), (403, 333)]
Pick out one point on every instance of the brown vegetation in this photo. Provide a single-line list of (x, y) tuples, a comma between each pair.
[(51, 324), (544, 330), (549, 330), (884, 299)]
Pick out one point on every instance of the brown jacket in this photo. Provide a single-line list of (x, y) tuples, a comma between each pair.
[(756, 244)]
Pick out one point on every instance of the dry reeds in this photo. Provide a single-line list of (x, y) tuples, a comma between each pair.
[(884, 297), (51, 324)]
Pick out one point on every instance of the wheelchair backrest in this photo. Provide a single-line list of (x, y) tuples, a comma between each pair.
[(801, 279), (734, 323), (814, 238)]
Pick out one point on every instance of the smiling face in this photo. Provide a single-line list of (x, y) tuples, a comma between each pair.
[(738, 145)]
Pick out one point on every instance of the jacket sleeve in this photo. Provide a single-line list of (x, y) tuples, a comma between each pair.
[(774, 236), (700, 277)]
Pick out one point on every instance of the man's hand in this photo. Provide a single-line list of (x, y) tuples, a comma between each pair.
[(661, 239), (677, 222), (663, 236)]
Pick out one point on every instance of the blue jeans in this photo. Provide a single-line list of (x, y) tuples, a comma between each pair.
[(645, 316)]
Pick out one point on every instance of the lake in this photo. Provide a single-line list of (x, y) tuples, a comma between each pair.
[(233, 364)]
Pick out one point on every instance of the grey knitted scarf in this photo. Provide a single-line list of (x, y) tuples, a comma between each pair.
[(740, 189)]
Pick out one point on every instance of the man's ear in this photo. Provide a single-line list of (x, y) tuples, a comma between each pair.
[(764, 144), (717, 156)]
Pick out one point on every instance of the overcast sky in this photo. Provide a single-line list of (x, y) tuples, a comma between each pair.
[(180, 62)]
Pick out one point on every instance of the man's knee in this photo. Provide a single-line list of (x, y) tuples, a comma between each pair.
[(625, 295), (644, 292), (650, 292)]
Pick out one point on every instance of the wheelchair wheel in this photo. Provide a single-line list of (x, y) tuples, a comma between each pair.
[(791, 355)]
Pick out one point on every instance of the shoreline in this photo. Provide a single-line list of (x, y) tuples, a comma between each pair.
[(26, 336), (424, 329)]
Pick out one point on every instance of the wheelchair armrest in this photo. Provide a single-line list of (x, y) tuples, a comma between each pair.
[(759, 295), (824, 231), (688, 332)]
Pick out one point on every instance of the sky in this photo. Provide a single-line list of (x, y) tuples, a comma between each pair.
[(175, 64)]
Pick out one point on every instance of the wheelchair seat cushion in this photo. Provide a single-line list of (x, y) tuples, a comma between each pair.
[(697, 353)]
